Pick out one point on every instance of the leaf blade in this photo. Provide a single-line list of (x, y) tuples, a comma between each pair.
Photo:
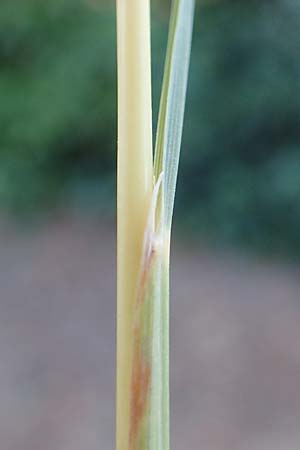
[(172, 105)]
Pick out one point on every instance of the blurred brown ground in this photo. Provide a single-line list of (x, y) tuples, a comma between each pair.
[(235, 344)]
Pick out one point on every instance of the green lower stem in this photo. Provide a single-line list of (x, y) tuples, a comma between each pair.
[(150, 370), (159, 396)]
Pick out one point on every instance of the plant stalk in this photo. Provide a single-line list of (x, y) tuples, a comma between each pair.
[(135, 181), (145, 208)]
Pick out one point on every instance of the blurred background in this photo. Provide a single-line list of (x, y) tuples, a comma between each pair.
[(235, 314)]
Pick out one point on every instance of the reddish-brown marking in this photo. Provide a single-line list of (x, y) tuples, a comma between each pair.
[(141, 369), (140, 384)]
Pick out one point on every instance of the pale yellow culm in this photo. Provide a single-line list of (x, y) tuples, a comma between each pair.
[(135, 181)]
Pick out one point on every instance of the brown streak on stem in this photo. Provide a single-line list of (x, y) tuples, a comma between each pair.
[(140, 384), (141, 368)]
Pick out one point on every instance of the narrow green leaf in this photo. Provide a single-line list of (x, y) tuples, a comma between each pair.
[(170, 121)]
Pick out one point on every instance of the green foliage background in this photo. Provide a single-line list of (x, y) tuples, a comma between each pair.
[(240, 170)]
